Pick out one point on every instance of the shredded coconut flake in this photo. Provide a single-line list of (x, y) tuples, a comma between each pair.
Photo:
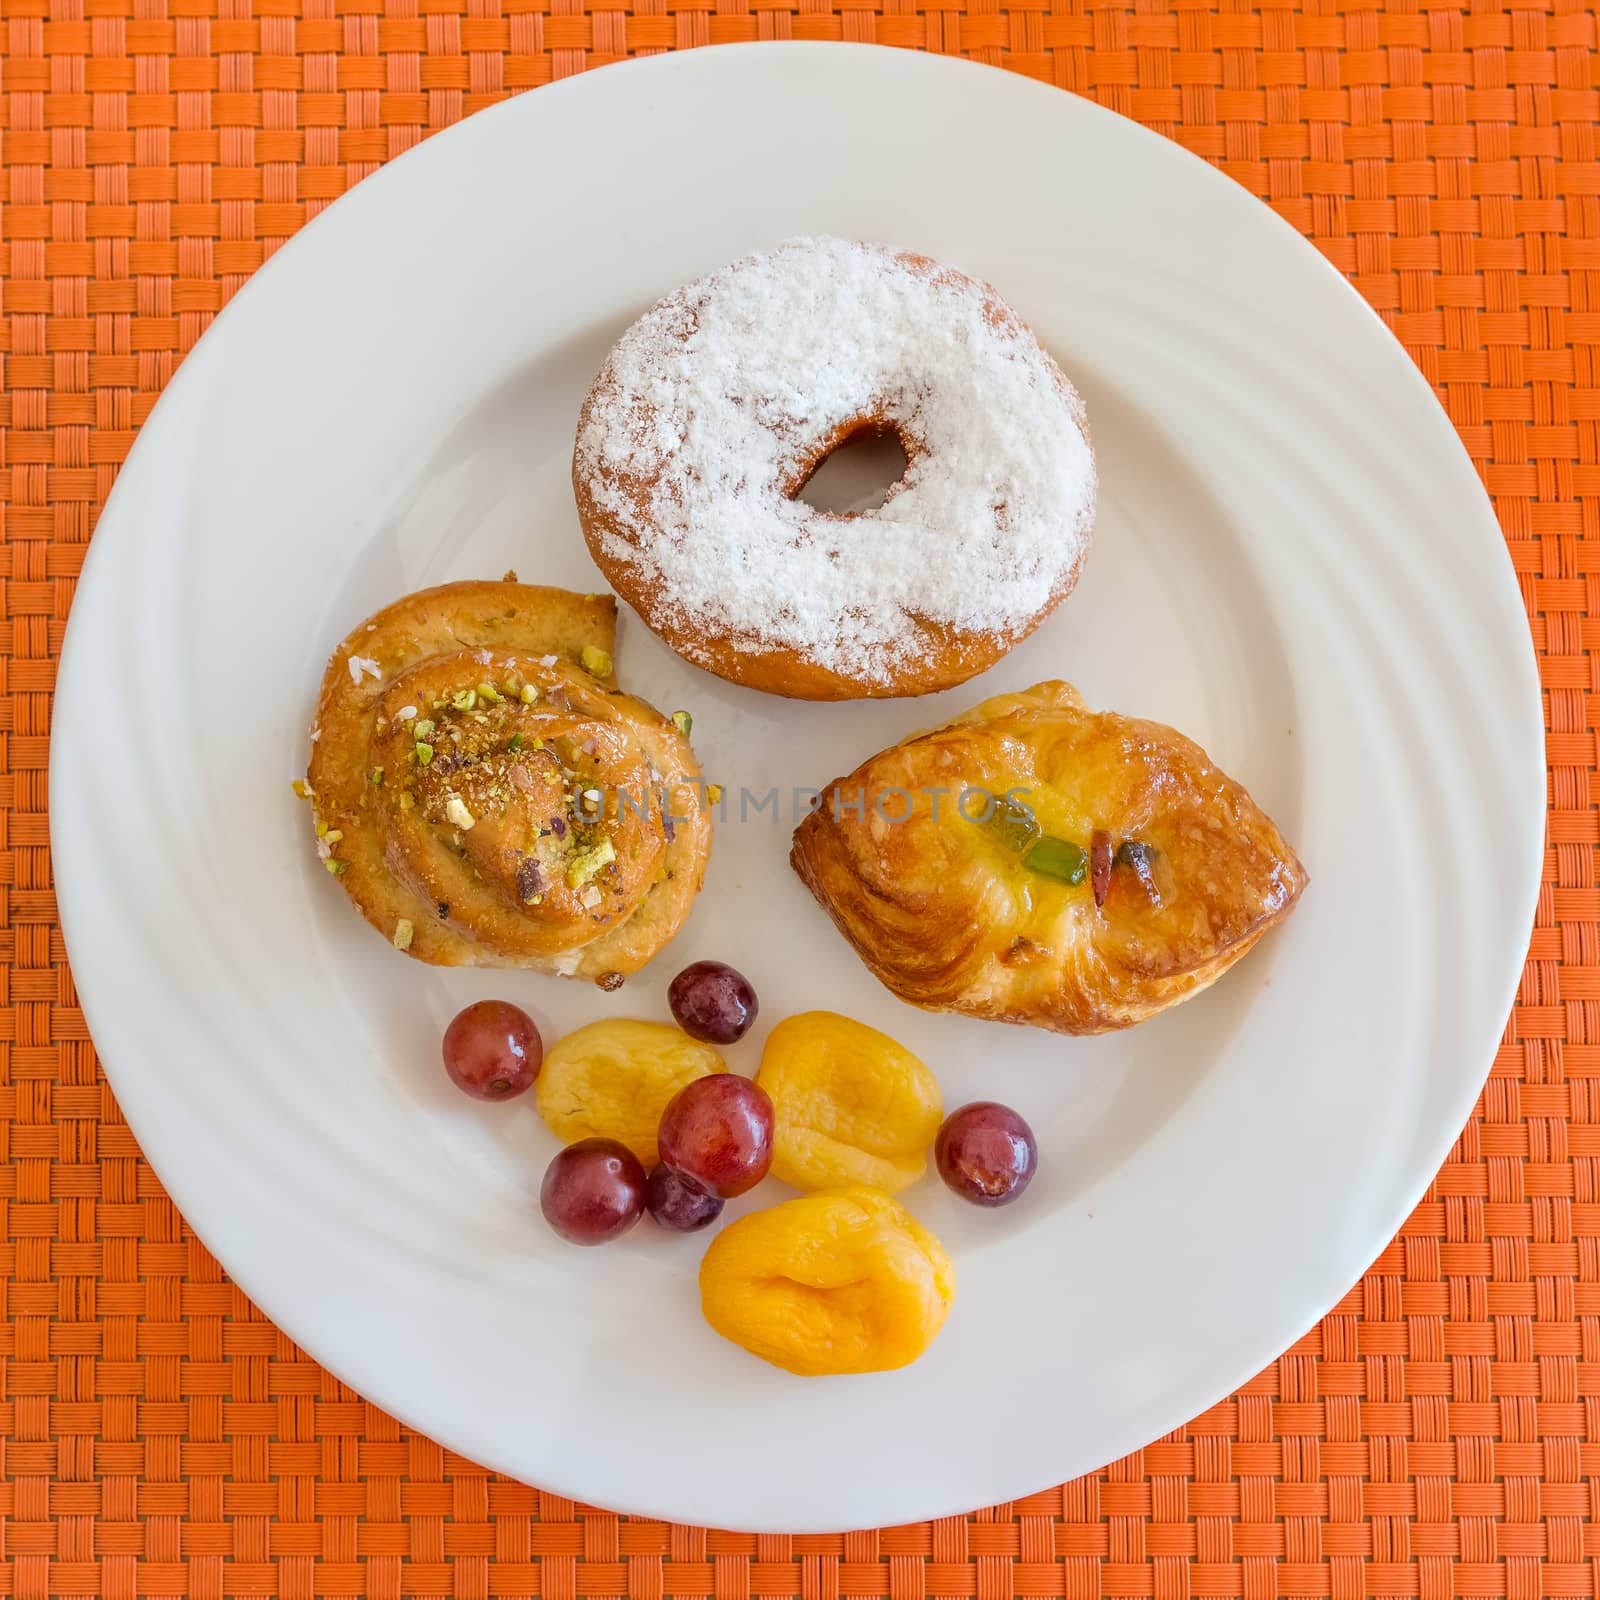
[(711, 404), (363, 665), (547, 661)]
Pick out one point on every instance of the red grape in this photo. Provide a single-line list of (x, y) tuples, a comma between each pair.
[(712, 1002), (593, 1191), (492, 1050), (717, 1132), (675, 1202), (986, 1153)]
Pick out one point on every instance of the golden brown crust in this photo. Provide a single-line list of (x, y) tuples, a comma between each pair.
[(937, 655), (944, 657), (945, 914), (455, 818)]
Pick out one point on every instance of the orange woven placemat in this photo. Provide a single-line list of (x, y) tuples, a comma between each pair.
[(1431, 1438)]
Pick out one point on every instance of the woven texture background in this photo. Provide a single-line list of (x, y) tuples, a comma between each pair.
[(1436, 1436)]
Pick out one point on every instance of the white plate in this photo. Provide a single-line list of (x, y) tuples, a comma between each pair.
[(1294, 563)]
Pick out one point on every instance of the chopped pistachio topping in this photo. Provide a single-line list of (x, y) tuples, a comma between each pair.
[(589, 864), (336, 867), (515, 742), (302, 789), (683, 722), (333, 836), (596, 660), (534, 900), (489, 694), (406, 801), (423, 729), (455, 808), (465, 700), (714, 793), (424, 753), (403, 931), (322, 828), (375, 777), (530, 693)]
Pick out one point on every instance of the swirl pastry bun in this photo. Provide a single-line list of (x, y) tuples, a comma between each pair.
[(487, 796), (1108, 869)]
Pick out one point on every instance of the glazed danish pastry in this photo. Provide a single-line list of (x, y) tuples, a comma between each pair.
[(1038, 862), (487, 796)]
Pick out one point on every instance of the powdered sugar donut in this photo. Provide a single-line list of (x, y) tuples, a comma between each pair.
[(718, 404)]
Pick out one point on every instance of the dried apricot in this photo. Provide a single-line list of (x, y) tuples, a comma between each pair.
[(612, 1080), (846, 1280), (852, 1105)]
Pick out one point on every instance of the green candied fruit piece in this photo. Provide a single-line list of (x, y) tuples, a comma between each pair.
[(1058, 858), (1012, 823)]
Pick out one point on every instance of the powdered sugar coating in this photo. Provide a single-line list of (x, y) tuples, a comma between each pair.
[(713, 408)]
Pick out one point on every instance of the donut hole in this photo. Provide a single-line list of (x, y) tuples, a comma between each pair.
[(856, 475)]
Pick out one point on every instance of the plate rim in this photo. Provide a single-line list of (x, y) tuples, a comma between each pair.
[(75, 899)]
